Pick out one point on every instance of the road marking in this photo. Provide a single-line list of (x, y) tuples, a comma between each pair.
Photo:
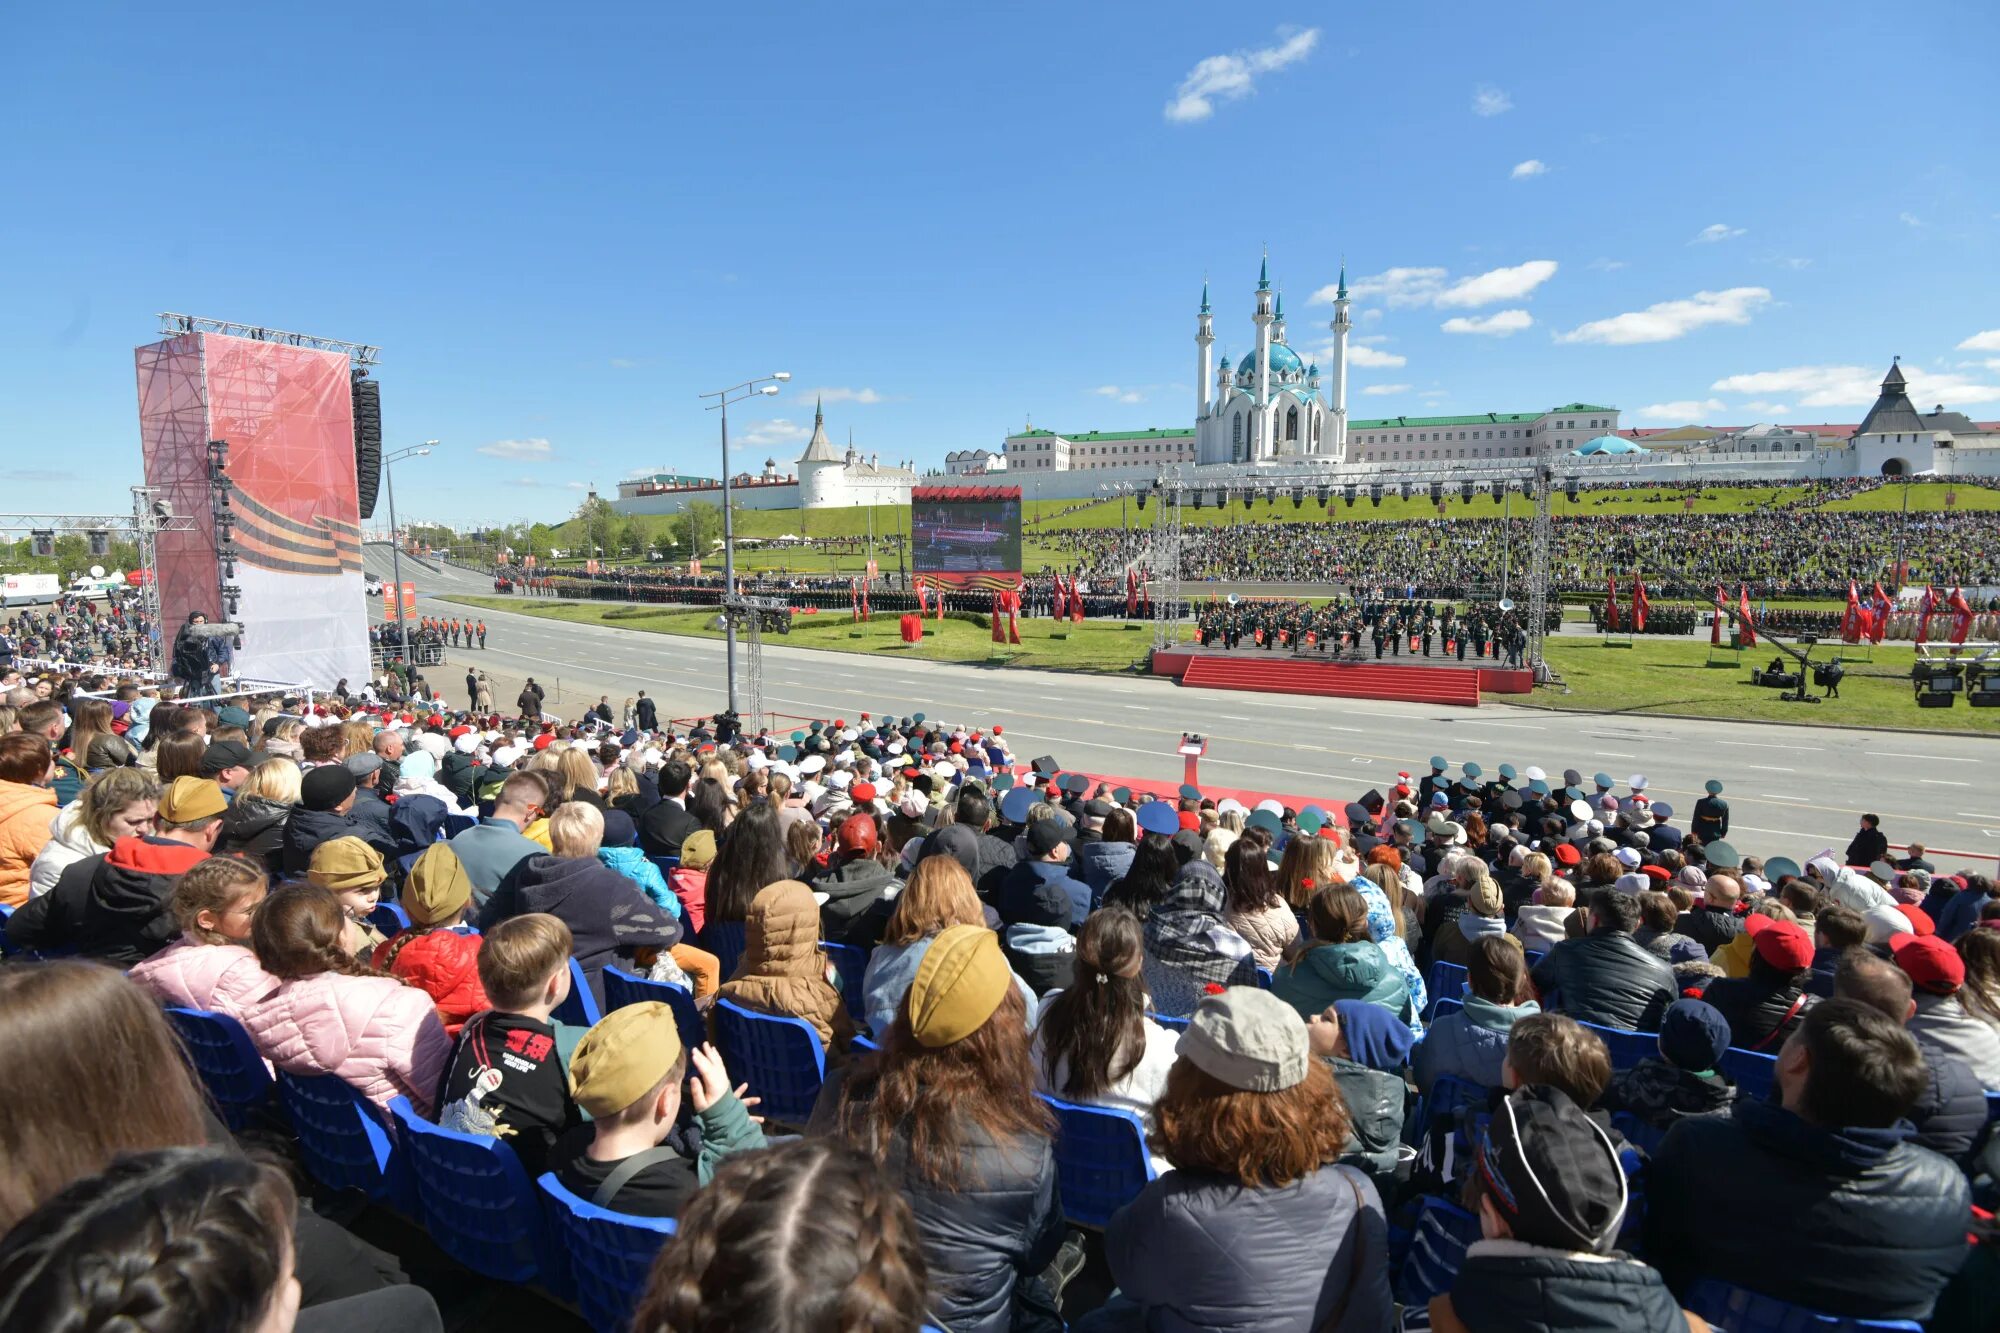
[(1607, 754), (1976, 814), (1933, 758), (1231, 717), (1139, 708), (1942, 782), (1759, 745), (1770, 768), (1788, 800), (1471, 722)]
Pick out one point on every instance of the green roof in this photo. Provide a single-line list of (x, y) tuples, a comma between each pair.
[(1094, 436), (1417, 423), (1582, 407)]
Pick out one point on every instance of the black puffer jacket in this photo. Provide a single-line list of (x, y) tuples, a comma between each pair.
[(1606, 978), (1375, 1102), (852, 911), (307, 829), (1763, 1007), (1712, 927), (1862, 1223), (254, 829), (1508, 1286), (608, 917), (115, 907)]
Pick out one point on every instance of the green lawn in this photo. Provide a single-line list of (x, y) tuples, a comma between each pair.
[(1928, 497), (1095, 645), (1671, 676)]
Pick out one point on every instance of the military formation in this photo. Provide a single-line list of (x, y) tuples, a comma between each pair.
[(1342, 627)]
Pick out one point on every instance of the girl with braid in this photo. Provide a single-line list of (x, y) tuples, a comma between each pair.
[(809, 1236)]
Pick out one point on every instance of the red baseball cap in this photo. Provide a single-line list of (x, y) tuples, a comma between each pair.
[(1656, 873), (1931, 963), (543, 741), (1567, 854), (1782, 944), (857, 834), (1920, 920), (863, 791)]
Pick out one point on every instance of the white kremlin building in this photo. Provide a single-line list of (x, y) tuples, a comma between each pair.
[(826, 478)]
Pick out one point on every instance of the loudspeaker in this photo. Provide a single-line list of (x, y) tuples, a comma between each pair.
[(367, 443), (1046, 766)]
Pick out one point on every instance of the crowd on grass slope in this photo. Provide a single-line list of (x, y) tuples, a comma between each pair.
[(1336, 1028)]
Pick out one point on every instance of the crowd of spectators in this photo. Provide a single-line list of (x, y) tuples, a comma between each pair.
[(111, 631), (1513, 1010)]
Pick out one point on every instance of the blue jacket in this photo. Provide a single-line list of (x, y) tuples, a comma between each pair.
[(1961, 913), (1470, 1044), (1329, 972), (1099, 864), (1026, 876), (489, 851), (634, 865)]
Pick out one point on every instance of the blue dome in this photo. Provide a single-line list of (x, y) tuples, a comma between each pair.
[(1284, 361), (1610, 444)]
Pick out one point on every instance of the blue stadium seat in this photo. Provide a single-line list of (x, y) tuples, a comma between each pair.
[(1726, 1305), (1534, 957), (779, 1057), (1636, 1131), (609, 1254), (475, 1200), (664, 864), (852, 964), (227, 1061), (457, 824), (344, 1140), (1263, 978), (1445, 1006), (1755, 1073), (725, 940), (1438, 1240), (622, 988), (580, 1009), (1101, 1160), (1992, 1107), (863, 1045), (1171, 1023), (1627, 1048), (1446, 1096), (390, 917), (1446, 981)]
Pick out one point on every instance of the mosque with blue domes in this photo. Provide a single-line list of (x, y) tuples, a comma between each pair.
[(1268, 406)]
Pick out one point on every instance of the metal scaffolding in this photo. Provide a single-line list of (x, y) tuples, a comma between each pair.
[(748, 613), (361, 354)]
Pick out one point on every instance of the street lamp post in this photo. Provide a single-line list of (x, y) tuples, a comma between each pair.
[(735, 393), (396, 539)]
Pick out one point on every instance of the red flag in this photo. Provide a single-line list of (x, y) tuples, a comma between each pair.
[(854, 599), (1014, 616), (999, 635), (1075, 601), (923, 604), (1715, 630), (1749, 619), (1850, 623), (866, 610), (1924, 609), (1060, 607), (1961, 615), (1131, 592), (1641, 604), (1883, 606), (1611, 602)]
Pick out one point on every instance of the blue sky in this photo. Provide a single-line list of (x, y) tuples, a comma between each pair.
[(561, 229)]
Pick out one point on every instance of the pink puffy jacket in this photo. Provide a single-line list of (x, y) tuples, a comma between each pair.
[(224, 978), (381, 1036)]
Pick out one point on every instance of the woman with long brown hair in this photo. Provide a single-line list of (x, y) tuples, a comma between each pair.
[(1095, 1042), (117, 803), (949, 1111), (749, 854), (331, 1015), (180, 757), (1252, 1123), (939, 895), (92, 743), (1340, 962), (1256, 908)]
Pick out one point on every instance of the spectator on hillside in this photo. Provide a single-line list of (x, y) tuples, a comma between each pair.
[(1682, 1080), (1950, 1113), (210, 967), (608, 917), (808, 1234), (1551, 1197), (783, 970), (1765, 1006), (492, 849), (1871, 1226), (1340, 961), (331, 1015), (1095, 1042), (938, 896), (118, 803), (634, 1157), (115, 907), (1937, 975), (1255, 908), (1472, 1043), (1606, 978), (1254, 1128), (948, 1111)]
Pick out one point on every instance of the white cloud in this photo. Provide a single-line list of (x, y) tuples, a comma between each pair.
[(775, 431), (622, 363), (1672, 319), (1499, 324), (1716, 231), (1989, 341), (520, 451), (865, 397), (1500, 284), (1606, 265), (1227, 78), (1369, 357), (1117, 394), (1795, 262), (1384, 390), (1534, 166), (1909, 219), (1855, 386), (1683, 411), (1490, 101), (1766, 409), (1396, 286)]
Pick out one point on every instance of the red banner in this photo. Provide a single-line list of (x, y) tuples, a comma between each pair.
[(1611, 602), (1924, 610), (1749, 620), (1883, 606), (1060, 606), (1961, 616), (1850, 623), (1640, 603), (1715, 631)]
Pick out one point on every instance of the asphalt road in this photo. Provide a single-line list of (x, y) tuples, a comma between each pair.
[(1792, 790)]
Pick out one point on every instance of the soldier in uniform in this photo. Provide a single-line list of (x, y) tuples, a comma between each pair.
[(1711, 814)]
